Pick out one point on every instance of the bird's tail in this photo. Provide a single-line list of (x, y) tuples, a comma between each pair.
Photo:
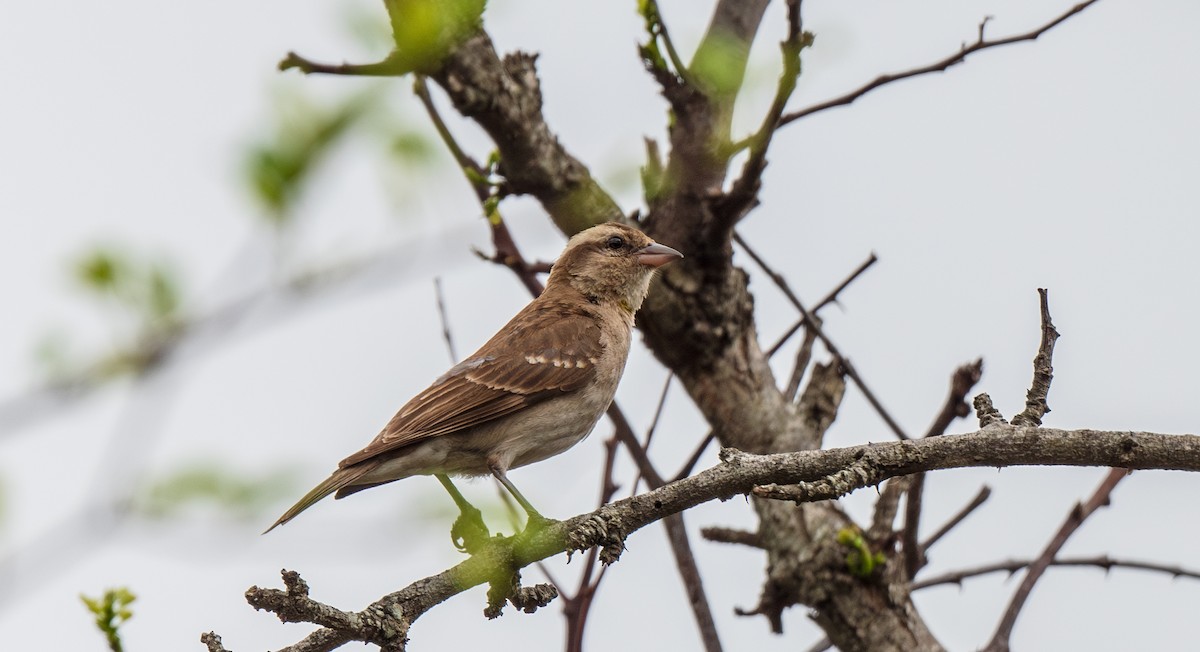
[(340, 479)]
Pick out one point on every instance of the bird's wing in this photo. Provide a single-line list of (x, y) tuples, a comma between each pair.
[(540, 353)]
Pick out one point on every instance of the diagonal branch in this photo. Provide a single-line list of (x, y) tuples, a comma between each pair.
[(782, 284), (832, 297), (980, 498), (1078, 515), (937, 66)]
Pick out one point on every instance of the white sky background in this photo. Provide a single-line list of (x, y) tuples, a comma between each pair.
[(1069, 163)]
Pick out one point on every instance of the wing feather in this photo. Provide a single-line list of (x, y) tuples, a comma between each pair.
[(547, 349)]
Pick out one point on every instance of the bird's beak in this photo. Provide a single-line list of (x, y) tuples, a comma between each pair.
[(656, 255)]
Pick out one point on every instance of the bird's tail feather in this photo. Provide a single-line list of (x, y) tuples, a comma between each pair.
[(340, 479)]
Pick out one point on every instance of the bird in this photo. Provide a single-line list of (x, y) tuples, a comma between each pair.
[(534, 390)]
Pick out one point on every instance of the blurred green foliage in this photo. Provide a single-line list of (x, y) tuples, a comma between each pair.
[(304, 135), (145, 297), (148, 289), (111, 610), (211, 483)]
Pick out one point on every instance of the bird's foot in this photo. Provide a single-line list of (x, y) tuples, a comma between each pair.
[(469, 532)]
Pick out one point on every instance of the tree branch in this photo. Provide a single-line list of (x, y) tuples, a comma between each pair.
[(955, 407), (1043, 370), (385, 622), (782, 284), (1014, 565), (938, 66), (1078, 515), (968, 509)]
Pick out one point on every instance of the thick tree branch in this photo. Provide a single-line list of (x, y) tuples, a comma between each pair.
[(387, 621), (938, 66)]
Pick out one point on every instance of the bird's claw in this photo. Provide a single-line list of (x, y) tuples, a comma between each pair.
[(469, 532)]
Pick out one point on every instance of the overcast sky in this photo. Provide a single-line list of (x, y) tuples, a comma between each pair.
[(1070, 163)]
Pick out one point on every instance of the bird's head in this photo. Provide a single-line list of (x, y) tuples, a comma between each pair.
[(611, 262)]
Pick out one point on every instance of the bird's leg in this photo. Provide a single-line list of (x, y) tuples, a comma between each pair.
[(535, 520), (469, 531)]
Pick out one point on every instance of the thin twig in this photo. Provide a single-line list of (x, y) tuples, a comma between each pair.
[(577, 608), (1078, 515), (980, 498), (385, 68), (744, 190), (464, 160), (832, 297), (782, 284), (692, 461), (732, 535), (658, 410), (938, 66), (660, 25), (1014, 565), (803, 357), (1043, 370), (965, 378), (441, 306)]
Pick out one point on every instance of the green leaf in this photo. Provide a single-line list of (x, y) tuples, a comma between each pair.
[(110, 611)]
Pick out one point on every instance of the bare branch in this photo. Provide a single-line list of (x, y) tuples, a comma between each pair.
[(731, 535), (692, 461), (739, 473), (955, 407), (1078, 515), (980, 498), (474, 172), (1043, 370), (832, 297), (938, 66), (1014, 565), (782, 284), (803, 357)]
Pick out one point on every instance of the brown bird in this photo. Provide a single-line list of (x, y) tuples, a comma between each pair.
[(535, 389)]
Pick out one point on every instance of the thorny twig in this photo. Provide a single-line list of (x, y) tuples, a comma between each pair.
[(937, 66)]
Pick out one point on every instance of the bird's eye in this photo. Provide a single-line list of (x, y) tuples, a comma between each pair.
[(615, 242)]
